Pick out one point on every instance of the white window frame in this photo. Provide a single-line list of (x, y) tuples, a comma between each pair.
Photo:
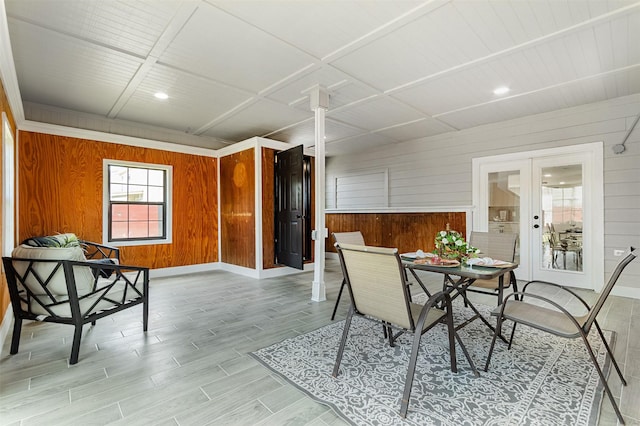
[(105, 203)]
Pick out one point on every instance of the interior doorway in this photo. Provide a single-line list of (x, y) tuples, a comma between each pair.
[(292, 207)]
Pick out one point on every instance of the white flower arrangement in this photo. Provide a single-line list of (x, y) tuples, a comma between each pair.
[(452, 245)]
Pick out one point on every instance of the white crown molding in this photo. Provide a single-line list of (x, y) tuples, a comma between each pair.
[(258, 142), (54, 129), (238, 147), (8, 70)]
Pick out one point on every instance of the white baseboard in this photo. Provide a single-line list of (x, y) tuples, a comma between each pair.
[(181, 270), (220, 266), (285, 270), (633, 293), (264, 273)]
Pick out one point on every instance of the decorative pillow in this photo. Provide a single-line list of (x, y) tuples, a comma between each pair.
[(59, 240), (57, 285), (105, 273)]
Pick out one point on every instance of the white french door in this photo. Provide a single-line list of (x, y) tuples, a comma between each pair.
[(553, 199)]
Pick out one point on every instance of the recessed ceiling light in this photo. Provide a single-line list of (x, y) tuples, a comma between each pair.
[(562, 183), (501, 90), (547, 175), (161, 95)]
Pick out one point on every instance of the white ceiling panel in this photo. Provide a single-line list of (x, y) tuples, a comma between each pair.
[(420, 129), (318, 27), (257, 119), (434, 42), (394, 70), (584, 91), (341, 88), (125, 25), (377, 64), (92, 84), (304, 133), (439, 95), (486, 24), (376, 114), (224, 48), (192, 102)]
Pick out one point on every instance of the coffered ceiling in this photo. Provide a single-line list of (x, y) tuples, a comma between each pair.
[(395, 70)]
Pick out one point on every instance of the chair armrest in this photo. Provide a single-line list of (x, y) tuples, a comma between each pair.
[(558, 286), (133, 279), (99, 251), (437, 297), (544, 299), (441, 296), (119, 269), (58, 289)]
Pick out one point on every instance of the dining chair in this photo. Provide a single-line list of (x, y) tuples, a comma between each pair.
[(378, 288), (354, 237), (563, 246), (501, 246), (549, 316)]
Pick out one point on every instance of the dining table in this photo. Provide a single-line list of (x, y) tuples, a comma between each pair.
[(457, 278)]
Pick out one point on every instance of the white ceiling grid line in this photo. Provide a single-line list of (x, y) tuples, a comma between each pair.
[(396, 71), (174, 26)]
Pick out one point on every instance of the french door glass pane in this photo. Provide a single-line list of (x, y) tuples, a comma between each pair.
[(561, 191), (504, 203)]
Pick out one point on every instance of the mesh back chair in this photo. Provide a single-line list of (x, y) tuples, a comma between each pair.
[(355, 238), (553, 318), (501, 246), (379, 292)]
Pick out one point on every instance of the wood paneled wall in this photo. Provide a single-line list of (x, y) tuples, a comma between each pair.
[(4, 292), (406, 231), (268, 208), (61, 190), (237, 208)]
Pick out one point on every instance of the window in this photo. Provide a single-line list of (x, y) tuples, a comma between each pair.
[(138, 207)]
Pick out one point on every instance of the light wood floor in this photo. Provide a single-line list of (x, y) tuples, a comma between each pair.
[(192, 367)]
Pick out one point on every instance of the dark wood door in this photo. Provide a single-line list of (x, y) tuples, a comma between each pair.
[(289, 188)]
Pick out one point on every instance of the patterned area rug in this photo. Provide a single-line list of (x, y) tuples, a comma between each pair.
[(542, 380)]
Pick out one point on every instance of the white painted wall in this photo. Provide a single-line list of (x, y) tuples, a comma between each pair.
[(436, 171)]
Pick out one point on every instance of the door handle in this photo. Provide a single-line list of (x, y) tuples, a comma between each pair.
[(536, 226)]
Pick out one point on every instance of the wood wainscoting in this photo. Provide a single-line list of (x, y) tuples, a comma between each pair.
[(406, 231), (268, 209)]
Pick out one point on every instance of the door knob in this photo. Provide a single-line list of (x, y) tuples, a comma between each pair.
[(536, 217), (536, 226)]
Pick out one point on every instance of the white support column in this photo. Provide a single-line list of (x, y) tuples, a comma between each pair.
[(319, 104)]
